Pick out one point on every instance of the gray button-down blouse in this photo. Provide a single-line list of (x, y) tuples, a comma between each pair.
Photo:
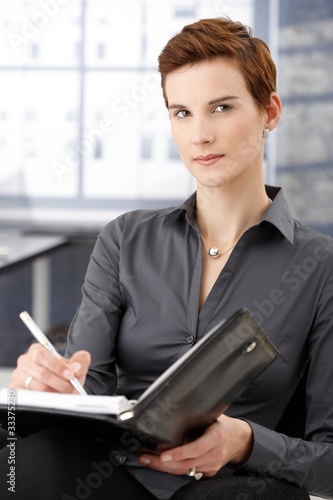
[(140, 312)]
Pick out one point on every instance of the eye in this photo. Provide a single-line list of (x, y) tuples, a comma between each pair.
[(182, 113), (222, 108)]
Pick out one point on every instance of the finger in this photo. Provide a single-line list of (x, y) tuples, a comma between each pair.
[(16, 379), (36, 385), (208, 464), (19, 378), (40, 357), (204, 453), (49, 373), (178, 459), (191, 450), (180, 468), (79, 364), (152, 462)]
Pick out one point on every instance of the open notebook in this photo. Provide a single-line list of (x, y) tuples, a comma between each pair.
[(177, 407)]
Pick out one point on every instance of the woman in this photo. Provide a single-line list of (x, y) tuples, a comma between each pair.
[(158, 280)]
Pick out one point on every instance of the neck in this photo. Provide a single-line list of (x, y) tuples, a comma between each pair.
[(223, 214)]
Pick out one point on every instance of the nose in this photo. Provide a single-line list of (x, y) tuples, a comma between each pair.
[(202, 132)]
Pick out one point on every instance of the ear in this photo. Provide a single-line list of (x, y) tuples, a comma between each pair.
[(273, 112)]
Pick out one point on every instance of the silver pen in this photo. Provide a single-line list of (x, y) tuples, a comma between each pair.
[(43, 340)]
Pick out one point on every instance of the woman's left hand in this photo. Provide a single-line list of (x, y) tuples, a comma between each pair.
[(227, 440)]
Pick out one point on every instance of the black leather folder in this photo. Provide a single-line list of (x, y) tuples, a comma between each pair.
[(179, 405)]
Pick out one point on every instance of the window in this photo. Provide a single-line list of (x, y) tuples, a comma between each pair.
[(81, 107)]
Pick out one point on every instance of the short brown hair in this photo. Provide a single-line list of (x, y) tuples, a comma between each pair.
[(209, 39)]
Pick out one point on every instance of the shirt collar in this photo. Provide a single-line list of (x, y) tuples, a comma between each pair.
[(277, 214)]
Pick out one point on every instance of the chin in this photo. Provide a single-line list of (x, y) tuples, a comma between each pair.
[(216, 182)]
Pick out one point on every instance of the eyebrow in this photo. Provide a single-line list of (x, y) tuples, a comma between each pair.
[(214, 101)]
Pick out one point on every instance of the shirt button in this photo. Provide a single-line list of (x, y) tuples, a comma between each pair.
[(190, 339)]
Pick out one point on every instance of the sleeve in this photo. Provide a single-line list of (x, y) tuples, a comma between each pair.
[(96, 323), (306, 462)]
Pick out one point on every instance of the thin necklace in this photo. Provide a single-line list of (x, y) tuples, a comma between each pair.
[(215, 252)]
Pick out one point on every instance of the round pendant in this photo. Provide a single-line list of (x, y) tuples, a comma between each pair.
[(213, 252)]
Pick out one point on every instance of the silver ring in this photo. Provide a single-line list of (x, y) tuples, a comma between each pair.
[(28, 382), (192, 473)]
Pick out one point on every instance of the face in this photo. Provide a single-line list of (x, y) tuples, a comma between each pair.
[(215, 123)]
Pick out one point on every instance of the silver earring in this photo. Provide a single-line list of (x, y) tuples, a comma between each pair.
[(266, 133)]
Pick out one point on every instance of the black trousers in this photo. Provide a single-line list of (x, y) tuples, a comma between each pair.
[(57, 465)]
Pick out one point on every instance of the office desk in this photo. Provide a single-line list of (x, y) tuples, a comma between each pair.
[(16, 248)]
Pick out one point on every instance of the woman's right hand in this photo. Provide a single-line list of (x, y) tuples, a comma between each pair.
[(49, 373)]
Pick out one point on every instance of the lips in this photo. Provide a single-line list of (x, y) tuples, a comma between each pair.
[(208, 159)]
